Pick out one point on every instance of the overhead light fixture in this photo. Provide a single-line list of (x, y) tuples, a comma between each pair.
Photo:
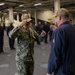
[(37, 4), (2, 4), (5, 13), (14, 12), (8, 9), (21, 5), (24, 10)]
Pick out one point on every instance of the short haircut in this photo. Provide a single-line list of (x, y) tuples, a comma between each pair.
[(63, 12)]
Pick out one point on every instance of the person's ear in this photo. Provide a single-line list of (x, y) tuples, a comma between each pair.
[(59, 17)]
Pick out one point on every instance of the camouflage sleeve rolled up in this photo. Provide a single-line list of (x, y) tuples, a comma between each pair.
[(15, 32), (38, 37)]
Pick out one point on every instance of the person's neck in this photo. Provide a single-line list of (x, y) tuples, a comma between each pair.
[(62, 21), (26, 27)]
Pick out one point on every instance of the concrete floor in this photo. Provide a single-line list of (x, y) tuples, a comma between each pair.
[(8, 64)]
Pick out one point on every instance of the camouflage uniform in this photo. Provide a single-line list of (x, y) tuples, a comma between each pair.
[(24, 49)]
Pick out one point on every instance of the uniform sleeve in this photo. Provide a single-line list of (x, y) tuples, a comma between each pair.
[(15, 32), (55, 51), (37, 36)]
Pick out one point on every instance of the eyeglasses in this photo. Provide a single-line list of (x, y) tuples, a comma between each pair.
[(56, 16)]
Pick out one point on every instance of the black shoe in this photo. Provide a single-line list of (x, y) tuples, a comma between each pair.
[(38, 43), (1, 51), (46, 42), (12, 48)]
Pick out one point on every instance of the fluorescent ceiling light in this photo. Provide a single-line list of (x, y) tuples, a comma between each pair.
[(21, 5), (24, 10), (8, 9), (5, 13), (14, 12), (2, 4), (37, 4)]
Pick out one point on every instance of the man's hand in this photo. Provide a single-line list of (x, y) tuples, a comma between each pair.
[(50, 74), (23, 23), (53, 27), (43, 33)]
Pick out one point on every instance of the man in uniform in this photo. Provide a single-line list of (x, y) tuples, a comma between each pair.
[(62, 54), (25, 45)]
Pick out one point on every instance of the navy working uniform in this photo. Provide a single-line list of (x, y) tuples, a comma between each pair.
[(62, 57), (24, 49)]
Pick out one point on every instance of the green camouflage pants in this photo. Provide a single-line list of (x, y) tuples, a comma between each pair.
[(25, 68)]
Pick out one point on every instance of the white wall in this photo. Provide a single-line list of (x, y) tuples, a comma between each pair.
[(46, 14), (72, 17), (7, 20), (43, 14)]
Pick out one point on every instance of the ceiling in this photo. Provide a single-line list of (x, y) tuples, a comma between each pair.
[(29, 5)]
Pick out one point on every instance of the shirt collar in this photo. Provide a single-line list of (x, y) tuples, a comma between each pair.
[(66, 22)]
